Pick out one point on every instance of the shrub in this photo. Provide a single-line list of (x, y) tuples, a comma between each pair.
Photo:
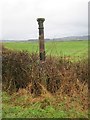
[(21, 69)]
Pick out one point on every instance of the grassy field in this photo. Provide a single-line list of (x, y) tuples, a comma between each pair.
[(71, 48)]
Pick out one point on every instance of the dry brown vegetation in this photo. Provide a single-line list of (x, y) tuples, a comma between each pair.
[(21, 68), (57, 78)]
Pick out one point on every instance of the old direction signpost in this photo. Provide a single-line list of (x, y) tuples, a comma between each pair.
[(41, 39)]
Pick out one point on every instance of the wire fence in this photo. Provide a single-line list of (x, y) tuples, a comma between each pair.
[(55, 48)]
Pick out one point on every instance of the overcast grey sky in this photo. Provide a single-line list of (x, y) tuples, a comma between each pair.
[(62, 18)]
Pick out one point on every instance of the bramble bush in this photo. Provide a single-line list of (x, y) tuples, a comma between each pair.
[(21, 69)]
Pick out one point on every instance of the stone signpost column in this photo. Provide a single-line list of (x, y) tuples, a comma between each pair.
[(41, 39)]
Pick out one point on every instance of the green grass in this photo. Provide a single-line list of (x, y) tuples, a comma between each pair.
[(34, 110), (71, 48)]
